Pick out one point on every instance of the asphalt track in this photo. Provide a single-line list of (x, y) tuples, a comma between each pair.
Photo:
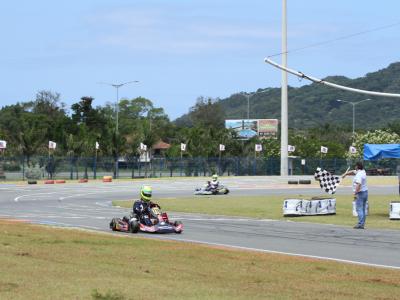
[(89, 206)]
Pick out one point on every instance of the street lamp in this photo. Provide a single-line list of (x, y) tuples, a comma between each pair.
[(117, 86), (248, 96), (354, 110)]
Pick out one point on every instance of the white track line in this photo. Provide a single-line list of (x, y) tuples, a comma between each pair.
[(16, 199), (286, 253)]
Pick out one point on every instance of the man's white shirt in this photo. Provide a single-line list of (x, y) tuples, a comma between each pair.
[(360, 178)]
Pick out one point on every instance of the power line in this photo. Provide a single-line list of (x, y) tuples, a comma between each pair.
[(338, 39)]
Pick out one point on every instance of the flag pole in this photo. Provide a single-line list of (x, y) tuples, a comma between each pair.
[(219, 162), (95, 164), (2, 174), (181, 161)]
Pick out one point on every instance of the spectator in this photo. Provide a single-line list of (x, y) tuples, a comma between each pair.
[(360, 192)]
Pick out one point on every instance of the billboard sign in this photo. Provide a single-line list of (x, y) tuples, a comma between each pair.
[(248, 128), (267, 128)]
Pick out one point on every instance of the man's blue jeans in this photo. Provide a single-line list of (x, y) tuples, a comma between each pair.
[(361, 201)]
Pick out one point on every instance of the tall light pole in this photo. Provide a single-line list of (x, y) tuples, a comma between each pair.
[(354, 111), (117, 86), (248, 96), (284, 96)]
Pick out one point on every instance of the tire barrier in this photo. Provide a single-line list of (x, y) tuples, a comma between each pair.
[(83, 180), (293, 182), (394, 213), (304, 181), (355, 214), (49, 182), (313, 207), (60, 181), (107, 178), (32, 182)]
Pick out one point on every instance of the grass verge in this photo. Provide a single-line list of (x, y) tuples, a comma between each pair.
[(270, 207), (41, 262)]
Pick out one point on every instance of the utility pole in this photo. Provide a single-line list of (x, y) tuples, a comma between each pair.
[(284, 96)]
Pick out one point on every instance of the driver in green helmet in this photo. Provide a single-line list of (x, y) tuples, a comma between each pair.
[(142, 207)]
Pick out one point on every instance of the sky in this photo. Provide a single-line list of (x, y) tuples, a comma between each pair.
[(180, 50)]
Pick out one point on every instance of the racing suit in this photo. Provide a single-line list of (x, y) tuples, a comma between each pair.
[(142, 210), (214, 185)]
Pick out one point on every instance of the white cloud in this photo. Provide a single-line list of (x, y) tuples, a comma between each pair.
[(172, 32)]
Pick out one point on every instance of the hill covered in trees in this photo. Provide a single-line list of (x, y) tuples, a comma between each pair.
[(314, 104)]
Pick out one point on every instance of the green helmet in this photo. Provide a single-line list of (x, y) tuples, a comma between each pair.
[(215, 177), (145, 193)]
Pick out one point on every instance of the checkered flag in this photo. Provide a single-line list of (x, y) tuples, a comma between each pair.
[(327, 181)]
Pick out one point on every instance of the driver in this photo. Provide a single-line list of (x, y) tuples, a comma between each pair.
[(142, 207), (214, 183)]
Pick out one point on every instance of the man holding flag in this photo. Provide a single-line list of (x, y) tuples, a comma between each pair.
[(360, 192)]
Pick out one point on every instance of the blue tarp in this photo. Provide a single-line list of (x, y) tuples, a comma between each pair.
[(378, 151)]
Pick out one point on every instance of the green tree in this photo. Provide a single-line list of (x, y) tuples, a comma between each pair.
[(207, 112), (372, 137)]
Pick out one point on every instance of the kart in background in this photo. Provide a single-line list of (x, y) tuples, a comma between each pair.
[(207, 190), (160, 223)]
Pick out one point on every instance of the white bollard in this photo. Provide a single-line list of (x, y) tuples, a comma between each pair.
[(394, 211)]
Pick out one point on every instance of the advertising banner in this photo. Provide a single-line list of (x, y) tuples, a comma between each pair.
[(249, 128), (52, 145), (324, 149), (267, 128), (143, 147)]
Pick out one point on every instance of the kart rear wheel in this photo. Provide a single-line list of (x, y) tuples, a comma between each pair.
[(134, 226)]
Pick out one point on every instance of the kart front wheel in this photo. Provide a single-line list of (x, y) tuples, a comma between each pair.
[(177, 223), (134, 226), (113, 225)]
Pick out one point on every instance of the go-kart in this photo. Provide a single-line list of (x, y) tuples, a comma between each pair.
[(159, 220), (208, 190)]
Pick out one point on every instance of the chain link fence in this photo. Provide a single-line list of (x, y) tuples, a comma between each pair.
[(42, 167)]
